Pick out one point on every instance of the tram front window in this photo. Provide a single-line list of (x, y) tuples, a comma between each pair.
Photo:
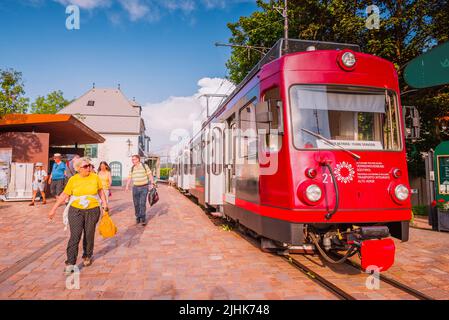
[(352, 117)]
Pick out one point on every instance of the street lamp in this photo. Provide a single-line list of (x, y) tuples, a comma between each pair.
[(129, 147)]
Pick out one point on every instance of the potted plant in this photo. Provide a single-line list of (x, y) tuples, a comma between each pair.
[(443, 214)]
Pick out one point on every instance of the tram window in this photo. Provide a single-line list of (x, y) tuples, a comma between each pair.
[(248, 133), (216, 151), (352, 117), (271, 126), (191, 161)]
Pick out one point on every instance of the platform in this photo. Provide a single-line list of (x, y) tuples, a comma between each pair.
[(181, 254)]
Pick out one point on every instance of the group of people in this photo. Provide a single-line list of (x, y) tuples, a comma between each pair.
[(86, 194), (60, 174)]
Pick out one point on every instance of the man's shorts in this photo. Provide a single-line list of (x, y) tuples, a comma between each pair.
[(38, 186)]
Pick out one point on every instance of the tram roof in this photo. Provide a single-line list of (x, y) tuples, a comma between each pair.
[(279, 50)]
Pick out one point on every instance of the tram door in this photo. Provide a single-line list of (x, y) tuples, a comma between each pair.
[(214, 164), (185, 168), (230, 157)]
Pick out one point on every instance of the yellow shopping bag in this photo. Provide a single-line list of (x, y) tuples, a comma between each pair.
[(107, 227)]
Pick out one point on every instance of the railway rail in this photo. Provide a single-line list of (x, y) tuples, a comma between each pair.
[(317, 277), (337, 291), (392, 282)]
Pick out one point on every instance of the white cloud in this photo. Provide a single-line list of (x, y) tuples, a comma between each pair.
[(185, 6), (86, 4), (180, 116), (211, 4), (138, 9), (146, 10)]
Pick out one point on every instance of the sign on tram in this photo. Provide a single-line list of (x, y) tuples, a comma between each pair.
[(429, 69)]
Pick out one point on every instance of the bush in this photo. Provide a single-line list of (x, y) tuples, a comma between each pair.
[(165, 172), (420, 210)]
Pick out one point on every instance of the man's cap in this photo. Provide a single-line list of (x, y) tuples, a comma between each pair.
[(57, 155), (39, 164)]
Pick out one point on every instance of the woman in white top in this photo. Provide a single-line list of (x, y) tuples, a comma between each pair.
[(39, 179)]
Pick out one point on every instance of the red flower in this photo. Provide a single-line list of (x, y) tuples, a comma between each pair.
[(434, 203), (440, 200)]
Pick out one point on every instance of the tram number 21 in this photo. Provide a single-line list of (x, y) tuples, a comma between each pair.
[(327, 178)]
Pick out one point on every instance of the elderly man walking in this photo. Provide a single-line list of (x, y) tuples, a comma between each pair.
[(142, 179), (57, 176)]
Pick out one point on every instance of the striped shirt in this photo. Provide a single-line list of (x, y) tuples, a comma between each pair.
[(140, 175)]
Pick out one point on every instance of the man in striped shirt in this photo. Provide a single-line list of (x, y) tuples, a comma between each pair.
[(142, 179)]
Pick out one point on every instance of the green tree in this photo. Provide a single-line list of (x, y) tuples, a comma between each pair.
[(50, 104), (336, 21), (407, 29), (12, 92)]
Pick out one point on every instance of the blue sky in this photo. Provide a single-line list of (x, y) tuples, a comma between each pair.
[(155, 49)]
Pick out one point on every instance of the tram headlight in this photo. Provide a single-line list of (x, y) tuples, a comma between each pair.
[(401, 192), (348, 59), (313, 193)]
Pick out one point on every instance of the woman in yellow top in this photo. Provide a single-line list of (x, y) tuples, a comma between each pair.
[(104, 172), (85, 191)]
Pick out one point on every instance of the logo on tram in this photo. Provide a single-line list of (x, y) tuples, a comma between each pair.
[(344, 172)]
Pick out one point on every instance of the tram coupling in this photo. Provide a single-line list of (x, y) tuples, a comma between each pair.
[(372, 243), (376, 249)]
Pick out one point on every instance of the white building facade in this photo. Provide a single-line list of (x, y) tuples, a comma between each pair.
[(119, 121)]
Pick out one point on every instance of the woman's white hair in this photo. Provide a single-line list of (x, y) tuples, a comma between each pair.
[(77, 162)]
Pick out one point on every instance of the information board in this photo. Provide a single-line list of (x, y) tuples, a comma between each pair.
[(443, 174)]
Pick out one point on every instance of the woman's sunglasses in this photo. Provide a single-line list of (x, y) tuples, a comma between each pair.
[(86, 166)]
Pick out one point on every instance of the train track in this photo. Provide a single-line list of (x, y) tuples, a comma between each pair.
[(328, 285), (338, 292), (392, 282)]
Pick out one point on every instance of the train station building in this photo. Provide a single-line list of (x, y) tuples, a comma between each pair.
[(119, 121)]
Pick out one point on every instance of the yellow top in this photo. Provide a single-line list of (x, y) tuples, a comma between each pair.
[(84, 186), (104, 177)]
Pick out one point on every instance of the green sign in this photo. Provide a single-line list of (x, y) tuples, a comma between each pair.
[(441, 171), (443, 174), (429, 69)]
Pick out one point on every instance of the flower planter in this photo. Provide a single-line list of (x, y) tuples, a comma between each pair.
[(443, 220)]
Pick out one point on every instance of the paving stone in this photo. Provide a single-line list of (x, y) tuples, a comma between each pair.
[(182, 254)]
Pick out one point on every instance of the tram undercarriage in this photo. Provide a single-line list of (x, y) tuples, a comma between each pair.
[(371, 242)]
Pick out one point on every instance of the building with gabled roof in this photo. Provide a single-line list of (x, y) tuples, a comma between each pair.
[(110, 113)]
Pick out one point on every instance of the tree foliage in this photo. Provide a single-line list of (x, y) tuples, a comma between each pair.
[(12, 92), (407, 29), (50, 104)]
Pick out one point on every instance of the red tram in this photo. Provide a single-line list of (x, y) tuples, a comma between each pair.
[(308, 153)]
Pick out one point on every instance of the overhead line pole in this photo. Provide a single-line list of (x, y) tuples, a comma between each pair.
[(211, 95), (286, 25), (284, 13)]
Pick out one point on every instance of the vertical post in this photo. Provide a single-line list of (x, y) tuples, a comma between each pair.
[(286, 26), (433, 220)]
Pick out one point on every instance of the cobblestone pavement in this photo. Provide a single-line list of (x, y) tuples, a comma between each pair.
[(421, 223), (180, 254), (423, 262)]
